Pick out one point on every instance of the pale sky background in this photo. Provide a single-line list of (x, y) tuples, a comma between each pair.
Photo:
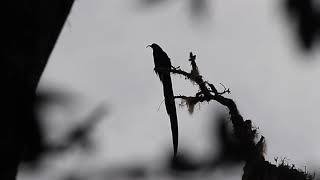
[(246, 45)]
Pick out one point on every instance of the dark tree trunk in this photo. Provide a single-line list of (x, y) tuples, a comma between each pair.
[(30, 29)]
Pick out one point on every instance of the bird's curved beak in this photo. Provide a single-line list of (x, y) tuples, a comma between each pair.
[(148, 46)]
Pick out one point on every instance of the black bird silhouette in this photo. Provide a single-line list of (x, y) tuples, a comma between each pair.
[(162, 63)]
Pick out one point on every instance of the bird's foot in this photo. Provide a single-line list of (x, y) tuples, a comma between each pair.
[(175, 68)]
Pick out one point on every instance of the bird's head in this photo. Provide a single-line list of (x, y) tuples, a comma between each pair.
[(154, 46)]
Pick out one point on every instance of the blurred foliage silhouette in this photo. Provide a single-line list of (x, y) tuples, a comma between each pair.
[(228, 147), (186, 166), (152, 3), (306, 17), (198, 8), (178, 167), (38, 146)]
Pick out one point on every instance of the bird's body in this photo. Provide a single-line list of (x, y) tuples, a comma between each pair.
[(162, 63)]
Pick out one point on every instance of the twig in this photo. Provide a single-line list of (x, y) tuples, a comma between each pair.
[(160, 104)]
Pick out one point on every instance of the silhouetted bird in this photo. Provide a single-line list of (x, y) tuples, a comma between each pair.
[(162, 66)]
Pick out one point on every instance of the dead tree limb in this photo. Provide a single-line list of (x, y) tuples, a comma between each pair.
[(252, 148)]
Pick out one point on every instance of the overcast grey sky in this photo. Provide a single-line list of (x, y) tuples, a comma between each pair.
[(246, 45)]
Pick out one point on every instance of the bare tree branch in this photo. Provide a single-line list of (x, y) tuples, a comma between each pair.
[(251, 149)]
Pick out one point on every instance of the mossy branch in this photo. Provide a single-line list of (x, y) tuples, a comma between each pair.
[(252, 150)]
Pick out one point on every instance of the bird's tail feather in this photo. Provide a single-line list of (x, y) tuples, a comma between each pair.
[(171, 108)]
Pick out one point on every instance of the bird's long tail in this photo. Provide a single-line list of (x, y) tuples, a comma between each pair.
[(171, 108)]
